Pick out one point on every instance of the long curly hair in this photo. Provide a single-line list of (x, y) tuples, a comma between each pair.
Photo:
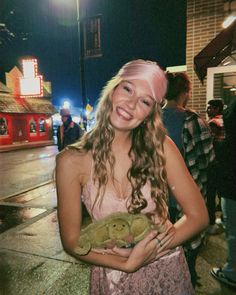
[(146, 152)]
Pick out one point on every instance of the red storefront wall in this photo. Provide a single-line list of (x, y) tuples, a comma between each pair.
[(27, 128)]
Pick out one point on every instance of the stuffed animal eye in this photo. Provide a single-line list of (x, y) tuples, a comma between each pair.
[(114, 225)]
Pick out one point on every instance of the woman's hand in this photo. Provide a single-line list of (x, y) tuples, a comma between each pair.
[(163, 239), (152, 247)]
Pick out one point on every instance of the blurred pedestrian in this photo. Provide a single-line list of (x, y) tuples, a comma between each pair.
[(69, 131), (192, 136), (215, 114), (227, 274)]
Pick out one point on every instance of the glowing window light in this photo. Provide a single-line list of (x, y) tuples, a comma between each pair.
[(30, 68), (31, 85)]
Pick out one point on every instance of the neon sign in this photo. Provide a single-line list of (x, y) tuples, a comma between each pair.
[(31, 85)]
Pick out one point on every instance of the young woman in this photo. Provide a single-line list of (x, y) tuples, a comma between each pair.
[(126, 164)]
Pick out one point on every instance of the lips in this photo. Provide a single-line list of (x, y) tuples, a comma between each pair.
[(123, 114)]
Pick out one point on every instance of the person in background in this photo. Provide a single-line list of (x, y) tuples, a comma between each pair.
[(69, 132), (227, 274), (192, 136), (214, 111), (125, 164)]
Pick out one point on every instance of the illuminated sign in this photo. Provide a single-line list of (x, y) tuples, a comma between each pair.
[(31, 84)]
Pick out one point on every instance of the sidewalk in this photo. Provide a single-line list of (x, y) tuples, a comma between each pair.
[(25, 145), (32, 260)]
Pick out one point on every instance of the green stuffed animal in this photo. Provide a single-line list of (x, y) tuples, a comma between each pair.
[(119, 229)]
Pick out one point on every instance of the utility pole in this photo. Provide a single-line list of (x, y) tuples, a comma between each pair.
[(81, 54)]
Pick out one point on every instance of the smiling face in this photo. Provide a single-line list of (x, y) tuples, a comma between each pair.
[(132, 102)]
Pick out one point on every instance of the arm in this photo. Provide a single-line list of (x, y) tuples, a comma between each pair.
[(187, 194), (71, 171)]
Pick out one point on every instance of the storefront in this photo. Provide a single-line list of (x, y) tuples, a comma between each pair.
[(25, 118)]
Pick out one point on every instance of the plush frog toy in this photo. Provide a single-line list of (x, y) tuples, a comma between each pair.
[(119, 229)]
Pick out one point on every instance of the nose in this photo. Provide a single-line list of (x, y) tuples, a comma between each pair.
[(132, 101)]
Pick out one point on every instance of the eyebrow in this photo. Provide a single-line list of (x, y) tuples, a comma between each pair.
[(129, 82)]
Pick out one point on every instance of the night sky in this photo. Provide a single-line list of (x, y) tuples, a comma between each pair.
[(47, 30)]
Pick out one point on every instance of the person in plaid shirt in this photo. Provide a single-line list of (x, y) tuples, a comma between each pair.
[(198, 148), (192, 136)]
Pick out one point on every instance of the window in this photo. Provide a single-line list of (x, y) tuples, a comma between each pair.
[(221, 82), (42, 125), (3, 126), (32, 127)]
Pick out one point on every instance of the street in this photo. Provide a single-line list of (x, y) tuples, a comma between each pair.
[(24, 169), (32, 260)]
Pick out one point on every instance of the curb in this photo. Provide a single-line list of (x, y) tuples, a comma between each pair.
[(23, 146), (26, 190)]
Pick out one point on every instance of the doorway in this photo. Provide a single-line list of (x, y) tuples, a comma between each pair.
[(19, 130)]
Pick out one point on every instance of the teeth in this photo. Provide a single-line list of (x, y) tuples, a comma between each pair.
[(123, 113)]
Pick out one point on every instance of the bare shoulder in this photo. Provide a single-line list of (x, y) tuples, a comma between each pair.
[(172, 153), (74, 161), (169, 145)]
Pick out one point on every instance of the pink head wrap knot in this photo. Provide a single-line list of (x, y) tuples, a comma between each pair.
[(149, 71)]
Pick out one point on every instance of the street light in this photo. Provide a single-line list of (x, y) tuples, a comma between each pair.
[(66, 104)]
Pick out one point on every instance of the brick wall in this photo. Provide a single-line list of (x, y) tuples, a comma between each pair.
[(204, 20)]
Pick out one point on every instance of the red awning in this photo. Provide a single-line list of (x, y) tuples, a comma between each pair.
[(216, 51)]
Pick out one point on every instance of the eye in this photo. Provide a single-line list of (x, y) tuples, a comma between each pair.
[(127, 88), (146, 101)]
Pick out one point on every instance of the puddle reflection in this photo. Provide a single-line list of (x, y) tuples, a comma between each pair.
[(11, 216)]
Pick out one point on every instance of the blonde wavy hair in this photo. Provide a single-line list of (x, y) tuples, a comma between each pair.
[(146, 152)]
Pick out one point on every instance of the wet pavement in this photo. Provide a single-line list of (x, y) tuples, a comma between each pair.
[(24, 169), (11, 216), (32, 261), (20, 208)]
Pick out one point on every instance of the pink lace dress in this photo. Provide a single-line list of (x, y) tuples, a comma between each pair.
[(167, 276)]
